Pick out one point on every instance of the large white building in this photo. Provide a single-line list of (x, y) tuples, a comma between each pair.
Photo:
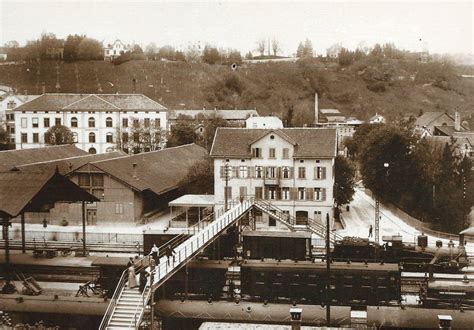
[(293, 168), (8, 102), (96, 120)]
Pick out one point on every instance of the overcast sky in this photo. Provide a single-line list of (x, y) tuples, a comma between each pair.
[(440, 27)]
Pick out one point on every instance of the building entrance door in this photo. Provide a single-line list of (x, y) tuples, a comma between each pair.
[(92, 217)]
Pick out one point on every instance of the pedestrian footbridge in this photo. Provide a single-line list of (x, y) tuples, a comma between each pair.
[(127, 306)]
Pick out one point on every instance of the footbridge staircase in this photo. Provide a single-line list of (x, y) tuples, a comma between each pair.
[(127, 305)]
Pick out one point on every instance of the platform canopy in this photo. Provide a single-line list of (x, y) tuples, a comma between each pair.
[(193, 201)]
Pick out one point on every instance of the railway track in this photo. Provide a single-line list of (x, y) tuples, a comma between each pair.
[(94, 247), (48, 273)]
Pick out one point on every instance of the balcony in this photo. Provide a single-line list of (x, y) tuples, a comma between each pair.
[(271, 181)]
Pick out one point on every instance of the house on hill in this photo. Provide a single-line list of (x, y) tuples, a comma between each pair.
[(292, 168), (377, 119), (115, 49), (97, 121), (130, 188)]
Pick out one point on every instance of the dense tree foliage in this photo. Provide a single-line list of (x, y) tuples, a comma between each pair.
[(183, 132), (420, 176), (344, 181), (200, 178), (58, 135)]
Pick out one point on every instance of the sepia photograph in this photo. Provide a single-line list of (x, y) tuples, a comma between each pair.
[(236, 165)]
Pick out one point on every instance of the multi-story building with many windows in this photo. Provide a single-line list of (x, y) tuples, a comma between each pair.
[(97, 121), (293, 168)]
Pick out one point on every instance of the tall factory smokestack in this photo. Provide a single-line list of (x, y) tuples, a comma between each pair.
[(316, 109)]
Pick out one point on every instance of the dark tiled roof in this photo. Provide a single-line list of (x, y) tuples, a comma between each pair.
[(20, 191), (12, 158), (67, 165), (236, 114), (430, 116), (158, 171), (311, 142), (96, 102)]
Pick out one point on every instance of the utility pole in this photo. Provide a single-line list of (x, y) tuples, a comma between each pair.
[(377, 218), (328, 276), (226, 189)]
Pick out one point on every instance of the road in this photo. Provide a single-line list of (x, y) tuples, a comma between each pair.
[(361, 216)]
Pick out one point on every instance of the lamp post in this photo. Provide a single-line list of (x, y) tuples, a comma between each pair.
[(227, 177)]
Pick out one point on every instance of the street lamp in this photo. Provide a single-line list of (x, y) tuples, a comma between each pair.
[(377, 208), (227, 177)]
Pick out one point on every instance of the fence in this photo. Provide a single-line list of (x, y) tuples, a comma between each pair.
[(76, 236)]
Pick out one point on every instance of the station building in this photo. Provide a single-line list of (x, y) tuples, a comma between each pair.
[(293, 168)]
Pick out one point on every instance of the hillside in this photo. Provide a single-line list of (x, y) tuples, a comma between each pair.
[(387, 86)]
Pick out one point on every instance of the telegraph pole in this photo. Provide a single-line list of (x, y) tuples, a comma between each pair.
[(226, 175), (328, 276)]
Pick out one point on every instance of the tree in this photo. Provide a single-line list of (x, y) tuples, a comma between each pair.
[(142, 136), (345, 57), (183, 132), (151, 49), (11, 44), (344, 181), (193, 54), (210, 127), (261, 46), (308, 48), (249, 56), (300, 50), (354, 145), (90, 49), (57, 135), (275, 47), (4, 138), (211, 55), (200, 178), (71, 47)]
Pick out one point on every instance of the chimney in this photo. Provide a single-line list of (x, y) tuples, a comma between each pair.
[(457, 121), (134, 166), (316, 109)]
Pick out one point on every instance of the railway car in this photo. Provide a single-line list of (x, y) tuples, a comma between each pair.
[(449, 259), (367, 283), (440, 292)]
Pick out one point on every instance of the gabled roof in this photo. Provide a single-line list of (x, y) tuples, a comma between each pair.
[(374, 117), (66, 165), (445, 130), (278, 132), (235, 114), (20, 97), (311, 142), (96, 102), (429, 117), (31, 191), (12, 158), (157, 171)]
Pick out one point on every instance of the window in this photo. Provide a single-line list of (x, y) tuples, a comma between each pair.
[(301, 172), (12, 130), (228, 192), (124, 137), (285, 172), (92, 137), (271, 172), (286, 153), (258, 192), (119, 208), (243, 191), (97, 180), (35, 122), (258, 172), (109, 138), (136, 137), (91, 122), (84, 180), (243, 172), (46, 122), (157, 122), (92, 151), (74, 137), (272, 193), (257, 152), (301, 194), (271, 153), (73, 122), (125, 122), (317, 216), (10, 117), (11, 105), (285, 193), (57, 121), (320, 194), (24, 123), (146, 122), (35, 138), (319, 172), (136, 123), (108, 122), (24, 138)]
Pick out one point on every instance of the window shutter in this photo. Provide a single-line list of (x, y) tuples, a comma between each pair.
[(309, 194), (278, 172), (323, 173), (278, 193), (292, 172), (251, 171), (315, 172), (293, 193), (222, 171), (323, 194), (253, 152)]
